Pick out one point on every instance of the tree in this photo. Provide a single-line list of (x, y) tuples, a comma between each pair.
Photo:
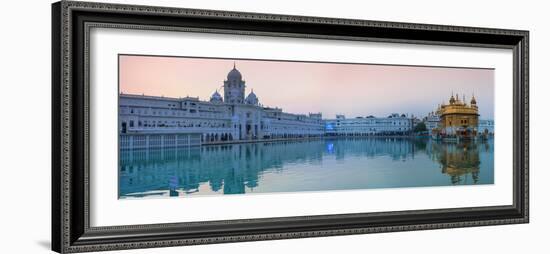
[(420, 127)]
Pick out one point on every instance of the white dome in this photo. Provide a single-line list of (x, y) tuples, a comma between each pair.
[(234, 74), (216, 97), (252, 98)]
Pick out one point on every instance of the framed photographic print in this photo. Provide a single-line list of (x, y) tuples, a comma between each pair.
[(181, 126)]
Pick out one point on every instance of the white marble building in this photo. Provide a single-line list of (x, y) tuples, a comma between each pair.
[(394, 124), (486, 126), (231, 117), (432, 121)]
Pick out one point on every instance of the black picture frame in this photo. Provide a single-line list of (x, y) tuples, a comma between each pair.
[(71, 231)]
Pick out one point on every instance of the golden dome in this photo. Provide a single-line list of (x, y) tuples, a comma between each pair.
[(452, 99), (473, 101)]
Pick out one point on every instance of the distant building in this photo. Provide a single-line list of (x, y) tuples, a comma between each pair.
[(432, 121), (486, 127), (394, 124)]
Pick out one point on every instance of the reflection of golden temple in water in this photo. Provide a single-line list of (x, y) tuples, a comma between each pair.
[(240, 168), (461, 161)]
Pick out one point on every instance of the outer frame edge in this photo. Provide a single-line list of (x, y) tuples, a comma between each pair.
[(56, 128), (62, 100)]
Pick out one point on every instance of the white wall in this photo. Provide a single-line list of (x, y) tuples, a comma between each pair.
[(25, 124)]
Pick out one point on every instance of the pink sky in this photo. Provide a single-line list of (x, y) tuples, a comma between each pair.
[(303, 87)]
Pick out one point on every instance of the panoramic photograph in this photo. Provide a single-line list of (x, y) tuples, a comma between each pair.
[(191, 126)]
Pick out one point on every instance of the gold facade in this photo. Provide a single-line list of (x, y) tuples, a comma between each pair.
[(458, 118)]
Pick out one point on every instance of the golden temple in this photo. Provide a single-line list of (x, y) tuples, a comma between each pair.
[(457, 120)]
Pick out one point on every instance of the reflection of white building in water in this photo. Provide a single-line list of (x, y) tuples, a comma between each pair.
[(231, 117), (157, 121), (394, 124), (237, 168)]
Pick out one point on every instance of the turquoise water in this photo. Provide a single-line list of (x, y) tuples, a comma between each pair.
[(293, 166)]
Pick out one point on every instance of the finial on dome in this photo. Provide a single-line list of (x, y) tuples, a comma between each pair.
[(216, 97), (252, 98), (234, 65)]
